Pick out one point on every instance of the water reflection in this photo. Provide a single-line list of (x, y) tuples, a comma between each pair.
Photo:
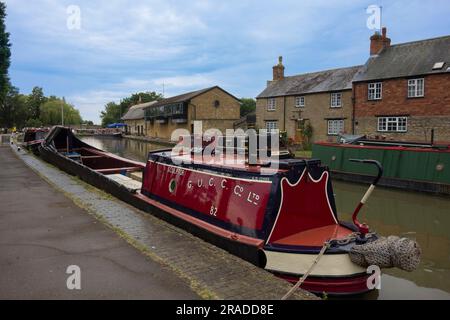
[(421, 217), (130, 149)]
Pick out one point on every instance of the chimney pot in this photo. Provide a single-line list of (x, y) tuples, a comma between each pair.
[(379, 42)]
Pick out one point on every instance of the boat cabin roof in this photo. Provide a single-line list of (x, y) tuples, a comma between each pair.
[(230, 162)]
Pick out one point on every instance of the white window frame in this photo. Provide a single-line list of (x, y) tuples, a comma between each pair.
[(416, 88), (271, 104), (271, 126), (375, 91), (336, 100), (332, 124), (300, 102), (392, 124)]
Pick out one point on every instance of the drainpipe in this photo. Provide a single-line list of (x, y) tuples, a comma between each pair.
[(353, 108), (284, 114), (193, 114)]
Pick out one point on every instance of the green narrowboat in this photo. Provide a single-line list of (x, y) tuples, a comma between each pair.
[(409, 166)]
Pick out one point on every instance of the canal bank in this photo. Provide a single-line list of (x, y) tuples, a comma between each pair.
[(422, 217), (42, 233), (157, 141), (209, 272)]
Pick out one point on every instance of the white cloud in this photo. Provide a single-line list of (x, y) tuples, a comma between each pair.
[(91, 102), (182, 82), (128, 46)]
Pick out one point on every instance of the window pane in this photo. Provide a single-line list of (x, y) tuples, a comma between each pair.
[(335, 100), (415, 88), (299, 101), (271, 104), (393, 124), (335, 127), (375, 91), (420, 86), (271, 125)]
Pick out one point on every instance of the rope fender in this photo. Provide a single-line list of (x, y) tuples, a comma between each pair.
[(390, 252)]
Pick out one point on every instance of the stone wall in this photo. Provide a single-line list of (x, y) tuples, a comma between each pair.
[(419, 129), (317, 112), (132, 126)]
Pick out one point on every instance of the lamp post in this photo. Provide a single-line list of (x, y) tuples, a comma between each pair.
[(62, 113)]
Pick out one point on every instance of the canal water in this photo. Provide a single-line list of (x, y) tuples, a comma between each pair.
[(422, 217)]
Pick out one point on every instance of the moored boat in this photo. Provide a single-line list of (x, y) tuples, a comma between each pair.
[(33, 137), (422, 167), (278, 214)]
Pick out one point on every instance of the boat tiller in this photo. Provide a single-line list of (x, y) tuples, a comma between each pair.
[(362, 227)]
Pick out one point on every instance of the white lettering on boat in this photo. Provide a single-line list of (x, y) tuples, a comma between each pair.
[(175, 170), (213, 211), (253, 198), (223, 183), (238, 191)]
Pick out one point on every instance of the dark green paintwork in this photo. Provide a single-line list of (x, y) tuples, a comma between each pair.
[(402, 164)]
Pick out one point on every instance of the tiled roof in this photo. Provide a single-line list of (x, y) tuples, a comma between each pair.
[(137, 112), (322, 81), (408, 59), (187, 96)]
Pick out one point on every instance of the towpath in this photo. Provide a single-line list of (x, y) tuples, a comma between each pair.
[(42, 233)]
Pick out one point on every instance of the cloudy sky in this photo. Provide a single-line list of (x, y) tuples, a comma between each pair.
[(124, 47)]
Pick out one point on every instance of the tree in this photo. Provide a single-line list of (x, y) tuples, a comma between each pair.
[(114, 112), (51, 112), (20, 109), (5, 56), (248, 106), (13, 109), (33, 123), (111, 114), (35, 100)]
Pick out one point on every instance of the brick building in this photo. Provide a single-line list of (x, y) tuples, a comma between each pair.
[(403, 91), (215, 107), (322, 100)]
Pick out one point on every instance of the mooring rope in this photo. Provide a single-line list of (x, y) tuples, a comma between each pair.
[(326, 245)]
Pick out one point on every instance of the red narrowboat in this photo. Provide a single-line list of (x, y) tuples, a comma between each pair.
[(285, 221), (33, 137)]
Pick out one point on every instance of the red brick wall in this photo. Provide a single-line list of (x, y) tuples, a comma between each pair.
[(396, 102)]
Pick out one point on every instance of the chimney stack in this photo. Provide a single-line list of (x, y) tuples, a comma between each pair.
[(278, 70), (378, 42)]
